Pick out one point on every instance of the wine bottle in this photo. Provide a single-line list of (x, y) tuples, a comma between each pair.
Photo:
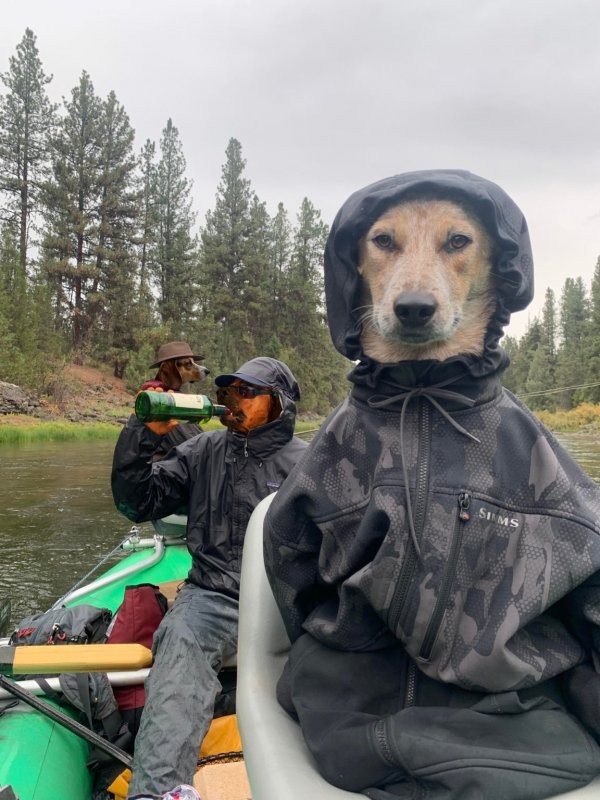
[(155, 406)]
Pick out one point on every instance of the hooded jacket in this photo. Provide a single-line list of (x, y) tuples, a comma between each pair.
[(434, 513), (218, 478)]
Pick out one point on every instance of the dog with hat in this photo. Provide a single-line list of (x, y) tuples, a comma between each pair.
[(176, 365)]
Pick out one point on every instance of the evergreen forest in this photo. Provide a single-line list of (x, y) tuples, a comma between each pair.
[(102, 259)]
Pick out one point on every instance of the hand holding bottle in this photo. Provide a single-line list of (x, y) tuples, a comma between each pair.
[(153, 406), (160, 427)]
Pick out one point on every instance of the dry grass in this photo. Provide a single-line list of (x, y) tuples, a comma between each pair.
[(584, 417)]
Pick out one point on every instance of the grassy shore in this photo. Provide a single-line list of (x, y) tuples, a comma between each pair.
[(21, 429), (584, 418)]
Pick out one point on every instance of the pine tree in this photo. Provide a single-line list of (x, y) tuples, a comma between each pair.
[(223, 259), (149, 219), (510, 378), (521, 354), (13, 308), (176, 257), (26, 119), (542, 365), (28, 340), (72, 199), (537, 384), (570, 366), (592, 341), (257, 283), (549, 327), (281, 245), (307, 344), (111, 303)]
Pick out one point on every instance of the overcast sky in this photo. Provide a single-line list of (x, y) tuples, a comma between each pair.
[(327, 96)]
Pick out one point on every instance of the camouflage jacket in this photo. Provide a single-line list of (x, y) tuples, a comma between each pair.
[(481, 555), (433, 508)]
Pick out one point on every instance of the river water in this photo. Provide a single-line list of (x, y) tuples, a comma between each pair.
[(57, 518)]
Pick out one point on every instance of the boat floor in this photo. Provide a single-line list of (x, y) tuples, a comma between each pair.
[(223, 781)]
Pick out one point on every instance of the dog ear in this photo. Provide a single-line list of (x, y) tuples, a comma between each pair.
[(169, 375)]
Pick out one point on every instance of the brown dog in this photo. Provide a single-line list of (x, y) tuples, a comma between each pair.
[(177, 371), (426, 269), (177, 366)]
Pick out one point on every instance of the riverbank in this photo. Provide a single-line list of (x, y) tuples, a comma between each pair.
[(86, 404), (582, 419), (90, 403)]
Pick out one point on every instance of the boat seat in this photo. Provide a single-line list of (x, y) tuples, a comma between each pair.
[(172, 527), (278, 762)]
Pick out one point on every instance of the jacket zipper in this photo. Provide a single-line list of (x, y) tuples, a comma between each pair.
[(411, 685), (463, 516), (419, 511)]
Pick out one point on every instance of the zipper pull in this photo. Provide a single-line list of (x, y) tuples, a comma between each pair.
[(245, 448), (464, 503)]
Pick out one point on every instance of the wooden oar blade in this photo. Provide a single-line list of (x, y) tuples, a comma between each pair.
[(5, 609), (51, 659)]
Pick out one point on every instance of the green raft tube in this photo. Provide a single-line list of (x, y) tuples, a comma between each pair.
[(39, 758)]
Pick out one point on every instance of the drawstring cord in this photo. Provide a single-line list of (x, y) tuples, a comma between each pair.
[(432, 394)]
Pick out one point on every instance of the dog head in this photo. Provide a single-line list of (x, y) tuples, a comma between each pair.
[(174, 372), (426, 273), (362, 305)]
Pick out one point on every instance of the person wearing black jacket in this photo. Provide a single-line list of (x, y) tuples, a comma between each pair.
[(219, 477)]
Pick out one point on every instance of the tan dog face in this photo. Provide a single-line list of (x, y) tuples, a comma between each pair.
[(177, 371), (426, 271)]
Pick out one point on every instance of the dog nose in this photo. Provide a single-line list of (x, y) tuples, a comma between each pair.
[(415, 309)]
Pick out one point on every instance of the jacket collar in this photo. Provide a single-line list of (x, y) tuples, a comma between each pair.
[(476, 380), (262, 442)]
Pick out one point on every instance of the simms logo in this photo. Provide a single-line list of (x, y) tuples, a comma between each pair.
[(499, 519)]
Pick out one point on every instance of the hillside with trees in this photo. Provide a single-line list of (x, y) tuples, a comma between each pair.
[(102, 257)]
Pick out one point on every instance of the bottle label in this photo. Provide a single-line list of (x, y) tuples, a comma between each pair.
[(192, 402)]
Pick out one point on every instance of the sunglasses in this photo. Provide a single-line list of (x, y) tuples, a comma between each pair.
[(245, 392)]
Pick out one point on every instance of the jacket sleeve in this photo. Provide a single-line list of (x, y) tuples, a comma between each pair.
[(581, 684), (142, 490), (292, 544)]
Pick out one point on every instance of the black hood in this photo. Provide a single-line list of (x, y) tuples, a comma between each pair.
[(512, 268), (265, 371)]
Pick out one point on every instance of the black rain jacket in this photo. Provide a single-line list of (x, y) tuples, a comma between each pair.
[(217, 478)]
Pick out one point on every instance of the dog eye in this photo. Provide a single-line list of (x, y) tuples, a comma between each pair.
[(458, 241), (384, 241)]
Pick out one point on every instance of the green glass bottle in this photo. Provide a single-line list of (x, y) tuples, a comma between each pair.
[(156, 406)]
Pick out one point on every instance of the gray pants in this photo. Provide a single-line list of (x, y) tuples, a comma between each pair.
[(193, 640)]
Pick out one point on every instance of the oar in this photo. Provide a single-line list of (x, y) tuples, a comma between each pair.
[(50, 659), (64, 719), (4, 613)]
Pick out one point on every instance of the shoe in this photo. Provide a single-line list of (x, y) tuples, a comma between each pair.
[(182, 792)]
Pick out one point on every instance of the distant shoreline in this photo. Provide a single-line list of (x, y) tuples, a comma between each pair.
[(22, 429)]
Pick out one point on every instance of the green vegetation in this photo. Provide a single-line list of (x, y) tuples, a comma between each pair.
[(102, 259), (34, 431), (22, 430), (555, 366)]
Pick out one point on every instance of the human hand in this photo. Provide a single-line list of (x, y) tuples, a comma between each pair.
[(160, 428)]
